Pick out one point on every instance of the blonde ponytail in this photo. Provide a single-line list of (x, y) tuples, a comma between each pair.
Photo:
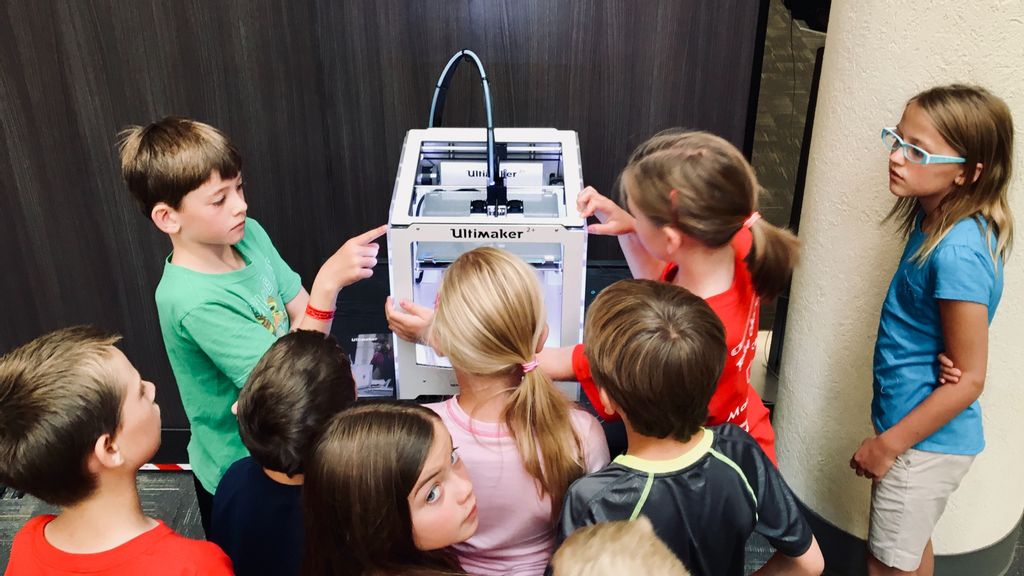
[(537, 416), (489, 321)]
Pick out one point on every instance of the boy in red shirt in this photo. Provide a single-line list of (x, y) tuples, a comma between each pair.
[(76, 423)]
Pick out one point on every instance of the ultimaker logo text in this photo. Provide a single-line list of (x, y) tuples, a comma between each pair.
[(474, 234), (483, 173)]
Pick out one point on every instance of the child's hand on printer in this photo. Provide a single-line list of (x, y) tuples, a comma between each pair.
[(614, 220), (411, 322)]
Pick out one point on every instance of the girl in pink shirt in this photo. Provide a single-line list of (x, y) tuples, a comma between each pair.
[(522, 440)]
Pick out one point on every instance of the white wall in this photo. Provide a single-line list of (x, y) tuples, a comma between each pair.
[(878, 54)]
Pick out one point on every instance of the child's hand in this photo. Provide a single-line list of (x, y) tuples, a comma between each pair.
[(614, 220), (948, 373), (874, 458), (410, 325), (354, 261)]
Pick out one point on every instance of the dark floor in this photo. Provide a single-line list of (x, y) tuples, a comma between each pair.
[(785, 85)]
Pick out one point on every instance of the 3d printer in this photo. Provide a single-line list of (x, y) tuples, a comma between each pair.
[(461, 188)]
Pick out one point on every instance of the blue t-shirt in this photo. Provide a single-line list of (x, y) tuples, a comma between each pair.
[(258, 522), (906, 370)]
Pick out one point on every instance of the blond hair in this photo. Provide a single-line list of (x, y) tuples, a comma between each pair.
[(657, 351), (702, 185), (58, 395), (164, 161), (614, 548), (489, 319), (978, 125)]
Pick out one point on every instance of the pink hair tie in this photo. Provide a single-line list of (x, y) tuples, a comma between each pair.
[(751, 219), (530, 366)]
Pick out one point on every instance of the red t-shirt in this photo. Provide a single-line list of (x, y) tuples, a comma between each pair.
[(158, 552), (734, 400)]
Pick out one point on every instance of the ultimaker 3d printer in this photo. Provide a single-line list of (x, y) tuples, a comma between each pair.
[(461, 188)]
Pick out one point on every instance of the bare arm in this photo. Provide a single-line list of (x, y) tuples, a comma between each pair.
[(617, 222), (557, 363), (641, 264), (965, 331), (296, 307), (352, 262)]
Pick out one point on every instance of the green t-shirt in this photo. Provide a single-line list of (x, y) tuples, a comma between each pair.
[(215, 328)]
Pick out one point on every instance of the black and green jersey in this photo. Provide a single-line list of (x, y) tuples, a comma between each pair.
[(704, 504)]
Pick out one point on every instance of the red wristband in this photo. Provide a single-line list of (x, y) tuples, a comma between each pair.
[(318, 314)]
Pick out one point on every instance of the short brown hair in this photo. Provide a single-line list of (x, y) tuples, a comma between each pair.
[(657, 351), (613, 548), (168, 159), (57, 396), (302, 381)]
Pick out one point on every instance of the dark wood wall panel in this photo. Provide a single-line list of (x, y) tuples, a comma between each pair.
[(318, 95)]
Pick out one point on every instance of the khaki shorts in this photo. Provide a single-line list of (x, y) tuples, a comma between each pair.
[(907, 503)]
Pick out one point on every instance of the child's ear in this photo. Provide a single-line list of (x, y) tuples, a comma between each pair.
[(609, 406), (674, 238), (106, 453), (165, 218), (961, 178), (542, 340)]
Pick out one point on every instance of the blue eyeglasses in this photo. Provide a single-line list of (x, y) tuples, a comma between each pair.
[(912, 153)]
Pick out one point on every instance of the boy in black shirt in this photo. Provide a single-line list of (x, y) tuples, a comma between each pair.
[(656, 352), (302, 381)]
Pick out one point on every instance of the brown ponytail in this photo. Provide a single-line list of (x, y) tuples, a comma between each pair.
[(703, 186), (772, 257)]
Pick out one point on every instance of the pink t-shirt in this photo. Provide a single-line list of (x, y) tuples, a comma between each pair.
[(516, 533)]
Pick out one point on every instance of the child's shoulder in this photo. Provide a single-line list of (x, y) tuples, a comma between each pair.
[(240, 474), (596, 485), (737, 445), (199, 553), (583, 420), (32, 529), (967, 243), (27, 544), (970, 232), (160, 548)]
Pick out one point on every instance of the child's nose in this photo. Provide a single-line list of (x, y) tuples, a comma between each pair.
[(896, 156), (465, 488)]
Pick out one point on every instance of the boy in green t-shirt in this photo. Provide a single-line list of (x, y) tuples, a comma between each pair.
[(226, 294)]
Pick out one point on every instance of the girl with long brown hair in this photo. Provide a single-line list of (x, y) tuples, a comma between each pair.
[(693, 222), (950, 159), (385, 494), (522, 440)]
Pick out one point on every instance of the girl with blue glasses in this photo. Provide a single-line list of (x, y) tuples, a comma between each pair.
[(949, 167)]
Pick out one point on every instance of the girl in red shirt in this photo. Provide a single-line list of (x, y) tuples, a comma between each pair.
[(692, 220)]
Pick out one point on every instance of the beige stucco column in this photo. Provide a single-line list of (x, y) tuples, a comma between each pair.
[(878, 54)]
